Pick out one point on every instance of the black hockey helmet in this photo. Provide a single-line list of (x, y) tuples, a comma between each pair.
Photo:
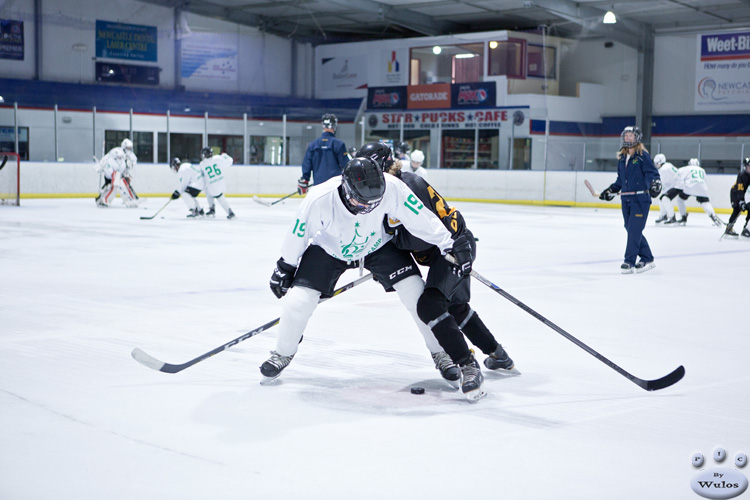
[(378, 152), (206, 153), (402, 148), (746, 163), (330, 121), (363, 185), (636, 132), (175, 164)]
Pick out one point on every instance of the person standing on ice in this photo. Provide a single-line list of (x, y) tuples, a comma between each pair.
[(691, 181), (190, 184), (213, 168), (444, 304), (116, 167), (325, 157), (637, 178), (668, 175), (739, 195), (339, 226)]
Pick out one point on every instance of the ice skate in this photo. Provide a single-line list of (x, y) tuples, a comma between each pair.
[(671, 222), (273, 366), (211, 213), (642, 266), (683, 220), (196, 214), (745, 232), (231, 215), (715, 219), (471, 380), (447, 368), (626, 268), (661, 219), (500, 361), (729, 231)]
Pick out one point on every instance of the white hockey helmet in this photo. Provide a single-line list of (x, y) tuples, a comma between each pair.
[(417, 156), (660, 159), (693, 162), (127, 144)]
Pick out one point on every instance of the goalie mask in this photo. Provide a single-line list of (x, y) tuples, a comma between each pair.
[(175, 164), (127, 145), (378, 152), (363, 185), (206, 153), (633, 141), (330, 121), (660, 160)]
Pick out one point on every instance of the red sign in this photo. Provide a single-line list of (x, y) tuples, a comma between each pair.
[(435, 96)]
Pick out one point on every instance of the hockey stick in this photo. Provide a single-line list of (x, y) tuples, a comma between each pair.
[(649, 385), (5, 160), (596, 195), (271, 203), (153, 363), (158, 212)]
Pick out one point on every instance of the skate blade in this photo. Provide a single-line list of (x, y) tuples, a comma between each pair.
[(454, 384), (475, 395), (269, 380), (513, 372)]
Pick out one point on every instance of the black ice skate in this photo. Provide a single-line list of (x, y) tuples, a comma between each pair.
[(499, 360), (745, 232), (273, 366), (471, 380), (671, 222), (626, 268), (642, 267), (447, 368), (683, 220), (661, 219), (211, 213), (231, 215), (729, 231), (196, 214)]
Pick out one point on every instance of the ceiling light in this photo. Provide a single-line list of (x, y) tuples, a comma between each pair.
[(609, 18), (493, 44), (436, 50), (464, 56)]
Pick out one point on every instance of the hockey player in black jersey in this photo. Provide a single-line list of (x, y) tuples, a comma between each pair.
[(444, 304), (740, 200)]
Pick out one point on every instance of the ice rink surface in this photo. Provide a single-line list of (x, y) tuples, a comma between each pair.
[(81, 420)]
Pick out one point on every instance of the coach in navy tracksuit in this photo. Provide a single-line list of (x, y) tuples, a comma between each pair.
[(325, 157), (637, 182)]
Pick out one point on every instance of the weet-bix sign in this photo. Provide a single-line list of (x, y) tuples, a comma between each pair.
[(722, 76)]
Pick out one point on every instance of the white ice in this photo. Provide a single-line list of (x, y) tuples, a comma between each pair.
[(80, 287)]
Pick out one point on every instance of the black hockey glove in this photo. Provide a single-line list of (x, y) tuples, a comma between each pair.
[(655, 188), (461, 251), (743, 206), (282, 278), (302, 185), (175, 195), (607, 195)]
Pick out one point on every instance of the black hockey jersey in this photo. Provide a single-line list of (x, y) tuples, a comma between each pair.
[(737, 193)]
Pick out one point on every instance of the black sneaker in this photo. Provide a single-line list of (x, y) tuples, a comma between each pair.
[(445, 365), (274, 365), (471, 380), (499, 360), (642, 267), (626, 268)]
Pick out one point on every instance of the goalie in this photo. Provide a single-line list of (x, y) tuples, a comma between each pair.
[(116, 169)]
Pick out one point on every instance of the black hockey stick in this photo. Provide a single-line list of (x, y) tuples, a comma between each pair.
[(5, 160), (158, 212), (153, 363), (649, 385), (271, 203)]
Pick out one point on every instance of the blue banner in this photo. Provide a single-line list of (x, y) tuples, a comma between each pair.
[(125, 41), (386, 97), (11, 39), (473, 95)]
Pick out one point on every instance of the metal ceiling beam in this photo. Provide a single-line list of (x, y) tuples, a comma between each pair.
[(409, 19)]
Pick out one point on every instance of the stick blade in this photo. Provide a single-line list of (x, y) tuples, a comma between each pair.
[(149, 361), (264, 203), (665, 381)]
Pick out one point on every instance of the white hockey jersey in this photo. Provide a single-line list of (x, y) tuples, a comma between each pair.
[(692, 181), (117, 160), (322, 219), (190, 175), (668, 174)]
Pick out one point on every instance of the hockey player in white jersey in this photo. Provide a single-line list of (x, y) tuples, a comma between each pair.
[(213, 168), (691, 181), (416, 159), (339, 226), (116, 167), (668, 174), (190, 183)]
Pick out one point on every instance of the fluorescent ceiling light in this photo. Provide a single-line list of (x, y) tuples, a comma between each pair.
[(609, 18), (465, 56)]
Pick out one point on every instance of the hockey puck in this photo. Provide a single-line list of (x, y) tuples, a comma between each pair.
[(417, 390)]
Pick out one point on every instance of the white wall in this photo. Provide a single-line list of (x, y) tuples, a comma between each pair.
[(532, 187)]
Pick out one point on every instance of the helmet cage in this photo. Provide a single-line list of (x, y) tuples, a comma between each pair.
[(330, 121), (628, 144), (175, 164), (363, 184), (206, 153)]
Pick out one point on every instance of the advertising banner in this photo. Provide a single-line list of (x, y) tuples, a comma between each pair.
[(342, 77), (386, 97), (11, 39), (435, 96), (422, 120), (209, 57), (722, 76), (473, 95), (125, 41)]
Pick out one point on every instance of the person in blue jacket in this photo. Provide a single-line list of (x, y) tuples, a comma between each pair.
[(637, 182), (325, 157)]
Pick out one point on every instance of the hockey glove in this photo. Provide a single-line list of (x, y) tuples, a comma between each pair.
[(655, 188), (461, 251), (175, 195), (302, 185), (743, 206), (282, 278), (607, 195)]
